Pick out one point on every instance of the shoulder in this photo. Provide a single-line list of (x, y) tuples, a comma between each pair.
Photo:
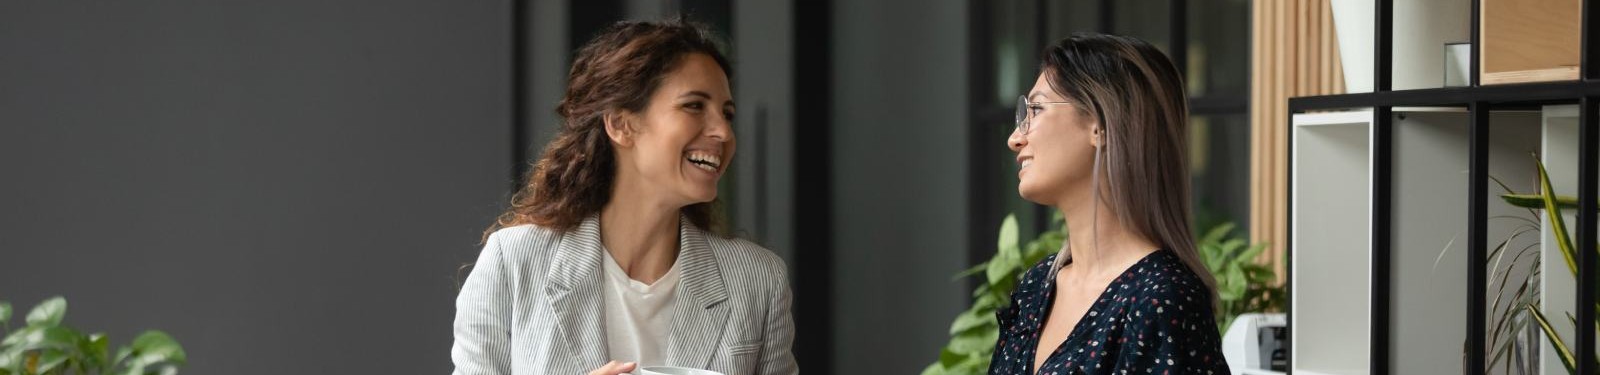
[(1167, 290), (745, 263), (1165, 276), (522, 242)]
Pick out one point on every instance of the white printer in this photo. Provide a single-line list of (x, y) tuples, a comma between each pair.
[(1255, 345)]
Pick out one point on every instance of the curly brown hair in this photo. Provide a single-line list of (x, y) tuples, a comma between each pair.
[(618, 70)]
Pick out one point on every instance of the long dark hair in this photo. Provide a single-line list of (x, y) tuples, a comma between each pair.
[(618, 70), (1137, 95)]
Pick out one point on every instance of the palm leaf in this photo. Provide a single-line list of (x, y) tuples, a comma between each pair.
[(1537, 200), (1555, 340), (1558, 225)]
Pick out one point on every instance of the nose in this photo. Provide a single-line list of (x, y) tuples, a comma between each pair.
[(720, 129), (1016, 141)]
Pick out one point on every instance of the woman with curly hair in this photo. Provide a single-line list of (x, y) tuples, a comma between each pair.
[(608, 259)]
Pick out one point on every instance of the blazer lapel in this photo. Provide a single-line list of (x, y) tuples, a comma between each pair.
[(573, 287), (699, 314)]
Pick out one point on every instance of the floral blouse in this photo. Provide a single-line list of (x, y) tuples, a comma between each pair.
[(1156, 318)]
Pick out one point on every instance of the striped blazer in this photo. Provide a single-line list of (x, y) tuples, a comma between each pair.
[(533, 304)]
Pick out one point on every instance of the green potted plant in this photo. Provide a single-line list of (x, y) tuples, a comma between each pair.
[(44, 346)]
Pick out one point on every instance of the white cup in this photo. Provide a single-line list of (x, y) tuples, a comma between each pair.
[(672, 370)]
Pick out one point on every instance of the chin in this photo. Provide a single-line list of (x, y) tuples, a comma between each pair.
[(702, 196), (1031, 194)]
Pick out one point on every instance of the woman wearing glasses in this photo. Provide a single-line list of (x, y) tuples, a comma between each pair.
[(1102, 137), (606, 261)]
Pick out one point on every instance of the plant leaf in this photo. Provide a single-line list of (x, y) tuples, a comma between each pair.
[(5, 312), (948, 359), (1008, 234), (971, 319), (985, 297), (49, 312), (981, 341), (1235, 287), (95, 352), (1218, 233), (50, 359), (1555, 340), (1250, 254), (1537, 200), (155, 347), (10, 361), (1558, 225), (971, 364), (41, 337), (122, 354), (996, 272), (977, 269)]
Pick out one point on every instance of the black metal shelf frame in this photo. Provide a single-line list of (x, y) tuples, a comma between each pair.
[(1479, 100)]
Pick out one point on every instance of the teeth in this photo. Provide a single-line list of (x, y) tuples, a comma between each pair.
[(705, 161), (1026, 162)]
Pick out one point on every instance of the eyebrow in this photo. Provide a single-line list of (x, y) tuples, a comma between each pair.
[(1036, 94), (704, 95)]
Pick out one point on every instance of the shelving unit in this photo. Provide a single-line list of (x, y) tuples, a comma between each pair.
[(1329, 268), (1429, 256), (1390, 209), (1332, 264)]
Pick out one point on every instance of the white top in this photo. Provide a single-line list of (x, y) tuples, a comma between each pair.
[(638, 316)]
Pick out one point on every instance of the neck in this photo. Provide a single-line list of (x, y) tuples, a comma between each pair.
[(1103, 246), (640, 233)]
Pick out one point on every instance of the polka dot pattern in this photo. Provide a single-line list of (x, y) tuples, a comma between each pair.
[(1155, 318)]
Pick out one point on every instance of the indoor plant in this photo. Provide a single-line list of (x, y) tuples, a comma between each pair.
[(1244, 285), (44, 346)]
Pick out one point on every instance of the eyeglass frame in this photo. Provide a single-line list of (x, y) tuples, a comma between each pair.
[(1025, 113)]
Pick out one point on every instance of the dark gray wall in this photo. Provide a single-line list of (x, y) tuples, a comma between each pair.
[(763, 60), (548, 67), (900, 181), (285, 186)]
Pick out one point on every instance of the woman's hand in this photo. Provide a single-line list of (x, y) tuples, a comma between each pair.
[(614, 368)]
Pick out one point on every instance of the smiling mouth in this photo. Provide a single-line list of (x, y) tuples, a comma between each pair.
[(705, 161)]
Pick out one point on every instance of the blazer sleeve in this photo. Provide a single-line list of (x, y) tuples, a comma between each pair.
[(777, 353), (483, 317)]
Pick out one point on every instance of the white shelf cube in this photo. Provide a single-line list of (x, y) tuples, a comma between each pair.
[(1331, 195)]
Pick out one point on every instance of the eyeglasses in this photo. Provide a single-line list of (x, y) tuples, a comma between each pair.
[(1025, 111)]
